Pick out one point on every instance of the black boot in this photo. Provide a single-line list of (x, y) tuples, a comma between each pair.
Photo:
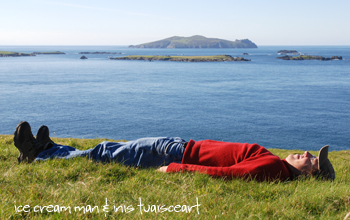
[(25, 142), (43, 137)]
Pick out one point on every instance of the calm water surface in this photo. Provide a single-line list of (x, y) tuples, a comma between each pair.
[(275, 103)]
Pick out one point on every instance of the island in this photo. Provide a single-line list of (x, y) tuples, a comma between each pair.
[(83, 57), (309, 57), (99, 53), (288, 52), (14, 54), (48, 53), (196, 41), (216, 58), (17, 54)]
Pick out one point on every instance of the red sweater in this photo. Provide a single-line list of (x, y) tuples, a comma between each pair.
[(230, 160)]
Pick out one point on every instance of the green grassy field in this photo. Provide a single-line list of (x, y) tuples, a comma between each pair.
[(80, 189)]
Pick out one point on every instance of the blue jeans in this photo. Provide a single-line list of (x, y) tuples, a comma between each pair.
[(144, 152)]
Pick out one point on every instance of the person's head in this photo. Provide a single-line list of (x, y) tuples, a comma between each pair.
[(303, 163), (306, 164)]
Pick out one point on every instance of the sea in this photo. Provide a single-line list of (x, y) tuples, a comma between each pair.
[(284, 104)]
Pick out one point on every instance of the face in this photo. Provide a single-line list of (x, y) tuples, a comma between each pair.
[(306, 163)]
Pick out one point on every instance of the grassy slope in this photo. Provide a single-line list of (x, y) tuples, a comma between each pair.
[(81, 182)]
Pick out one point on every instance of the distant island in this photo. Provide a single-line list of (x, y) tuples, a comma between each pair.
[(310, 57), (196, 41), (17, 54), (48, 53), (217, 58), (99, 53), (14, 54), (288, 52)]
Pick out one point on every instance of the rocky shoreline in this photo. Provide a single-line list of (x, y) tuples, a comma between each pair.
[(288, 52), (14, 54), (219, 58), (99, 53), (310, 57), (48, 53)]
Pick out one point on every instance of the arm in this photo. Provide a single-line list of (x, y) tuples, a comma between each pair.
[(269, 168)]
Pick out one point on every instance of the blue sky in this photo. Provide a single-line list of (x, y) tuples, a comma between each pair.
[(115, 22)]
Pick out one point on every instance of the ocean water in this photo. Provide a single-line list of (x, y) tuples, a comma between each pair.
[(275, 103)]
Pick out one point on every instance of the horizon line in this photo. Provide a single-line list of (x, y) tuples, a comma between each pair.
[(126, 45)]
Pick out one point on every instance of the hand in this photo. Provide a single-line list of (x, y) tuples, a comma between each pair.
[(162, 169)]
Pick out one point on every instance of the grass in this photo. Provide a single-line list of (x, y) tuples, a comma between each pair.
[(79, 182), (7, 52)]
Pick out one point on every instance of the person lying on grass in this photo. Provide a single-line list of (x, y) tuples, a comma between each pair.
[(215, 158)]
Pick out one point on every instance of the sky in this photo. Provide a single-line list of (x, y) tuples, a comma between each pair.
[(131, 22)]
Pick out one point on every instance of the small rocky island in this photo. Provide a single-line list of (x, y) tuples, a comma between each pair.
[(310, 57), (217, 58), (14, 54), (99, 53), (17, 54), (288, 52), (48, 53), (83, 57)]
